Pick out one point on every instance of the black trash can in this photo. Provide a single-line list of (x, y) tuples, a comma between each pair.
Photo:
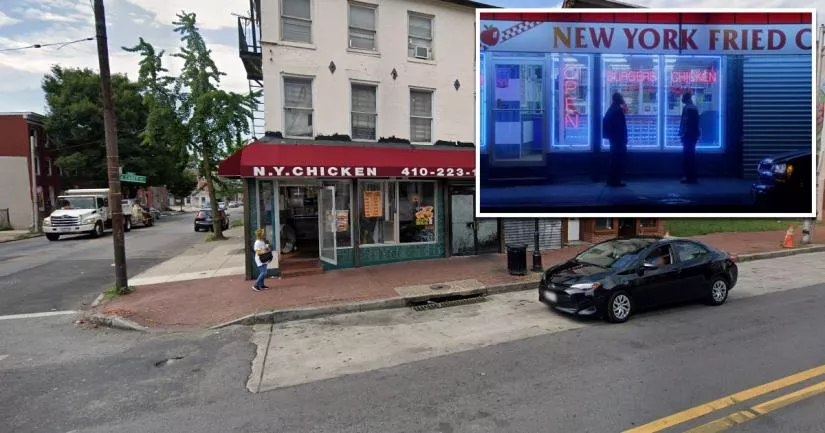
[(517, 259)]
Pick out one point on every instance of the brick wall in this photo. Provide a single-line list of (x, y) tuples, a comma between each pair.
[(595, 230)]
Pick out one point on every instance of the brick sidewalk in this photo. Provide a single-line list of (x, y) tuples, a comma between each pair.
[(215, 300)]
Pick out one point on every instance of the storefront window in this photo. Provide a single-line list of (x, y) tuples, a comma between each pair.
[(265, 203), (702, 77), (604, 224), (572, 77), (416, 212), (377, 212), (482, 101), (518, 110), (636, 78)]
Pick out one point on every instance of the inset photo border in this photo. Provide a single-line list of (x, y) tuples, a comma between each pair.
[(646, 113)]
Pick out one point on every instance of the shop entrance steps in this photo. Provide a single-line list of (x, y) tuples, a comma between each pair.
[(295, 267)]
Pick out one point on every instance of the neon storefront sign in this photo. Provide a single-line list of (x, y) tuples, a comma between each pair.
[(694, 76), (698, 76), (571, 74)]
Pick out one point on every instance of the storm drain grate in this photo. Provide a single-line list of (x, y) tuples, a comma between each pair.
[(449, 302)]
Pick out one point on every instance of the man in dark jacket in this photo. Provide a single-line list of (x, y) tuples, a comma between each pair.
[(614, 128), (689, 133)]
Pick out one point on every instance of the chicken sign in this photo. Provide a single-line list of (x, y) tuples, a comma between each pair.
[(627, 38)]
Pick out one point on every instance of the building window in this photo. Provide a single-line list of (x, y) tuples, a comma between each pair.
[(362, 27), (37, 165), (416, 212), (636, 78), (604, 224), (298, 107), (51, 197), (519, 131), (420, 35), (40, 202), (296, 21), (364, 112), (49, 166), (397, 212), (421, 116), (701, 77), (648, 223), (377, 212)]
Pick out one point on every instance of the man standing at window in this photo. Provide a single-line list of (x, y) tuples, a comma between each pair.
[(614, 128), (689, 133)]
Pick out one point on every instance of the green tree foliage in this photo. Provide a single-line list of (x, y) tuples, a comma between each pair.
[(74, 120), (216, 120), (183, 185)]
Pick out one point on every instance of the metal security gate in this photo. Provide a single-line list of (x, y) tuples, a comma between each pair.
[(776, 107), (522, 231)]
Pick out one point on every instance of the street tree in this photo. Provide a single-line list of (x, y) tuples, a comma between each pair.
[(74, 121), (216, 120), (183, 185), (164, 133)]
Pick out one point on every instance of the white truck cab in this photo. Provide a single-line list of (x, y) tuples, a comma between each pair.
[(83, 211)]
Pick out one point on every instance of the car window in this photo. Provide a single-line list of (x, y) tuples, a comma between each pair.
[(660, 256), (614, 253), (100, 202), (690, 251)]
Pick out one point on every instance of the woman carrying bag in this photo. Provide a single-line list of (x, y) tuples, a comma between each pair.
[(263, 255)]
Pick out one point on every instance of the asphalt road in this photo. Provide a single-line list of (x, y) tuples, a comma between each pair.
[(602, 378), (38, 276)]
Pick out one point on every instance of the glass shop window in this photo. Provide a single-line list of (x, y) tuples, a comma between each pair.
[(572, 109), (636, 78), (702, 77), (416, 212)]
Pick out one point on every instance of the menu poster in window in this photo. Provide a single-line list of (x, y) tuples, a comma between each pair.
[(342, 220), (372, 204), (424, 217)]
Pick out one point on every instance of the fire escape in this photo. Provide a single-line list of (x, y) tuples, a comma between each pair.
[(249, 44)]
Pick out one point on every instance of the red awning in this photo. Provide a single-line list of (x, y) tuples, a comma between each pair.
[(310, 160)]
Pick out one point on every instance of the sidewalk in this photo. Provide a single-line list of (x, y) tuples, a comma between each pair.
[(211, 301), (205, 260), (16, 235)]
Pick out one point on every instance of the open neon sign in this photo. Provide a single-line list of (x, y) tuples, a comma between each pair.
[(571, 91)]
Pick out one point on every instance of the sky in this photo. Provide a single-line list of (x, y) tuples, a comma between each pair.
[(27, 22)]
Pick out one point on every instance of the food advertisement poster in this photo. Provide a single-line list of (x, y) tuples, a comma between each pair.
[(372, 204), (424, 217), (342, 220)]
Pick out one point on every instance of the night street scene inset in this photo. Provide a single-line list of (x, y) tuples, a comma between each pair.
[(645, 112)]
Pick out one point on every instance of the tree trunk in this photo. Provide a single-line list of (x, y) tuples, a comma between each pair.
[(217, 229)]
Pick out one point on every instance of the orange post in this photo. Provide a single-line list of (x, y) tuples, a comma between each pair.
[(788, 241)]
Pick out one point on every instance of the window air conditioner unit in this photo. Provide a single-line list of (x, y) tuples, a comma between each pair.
[(422, 52)]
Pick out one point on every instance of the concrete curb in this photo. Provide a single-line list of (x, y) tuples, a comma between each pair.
[(15, 239), (116, 322), (280, 316)]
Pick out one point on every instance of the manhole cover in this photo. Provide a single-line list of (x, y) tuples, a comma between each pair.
[(439, 286), (168, 361)]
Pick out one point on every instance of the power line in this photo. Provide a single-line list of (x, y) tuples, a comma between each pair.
[(34, 46)]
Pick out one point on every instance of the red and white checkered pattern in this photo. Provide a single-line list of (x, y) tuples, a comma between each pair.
[(518, 29)]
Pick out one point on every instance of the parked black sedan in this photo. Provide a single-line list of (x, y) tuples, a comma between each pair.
[(614, 278), (203, 220), (784, 182)]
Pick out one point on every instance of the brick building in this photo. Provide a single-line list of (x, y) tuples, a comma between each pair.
[(19, 162)]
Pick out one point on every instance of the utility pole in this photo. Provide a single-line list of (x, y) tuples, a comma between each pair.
[(112, 163)]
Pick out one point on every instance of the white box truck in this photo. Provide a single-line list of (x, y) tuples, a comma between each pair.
[(83, 211)]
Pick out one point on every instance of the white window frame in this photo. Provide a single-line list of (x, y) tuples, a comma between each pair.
[(49, 166), (374, 31), (410, 37), (374, 85), (386, 184), (37, 165), (281, 17), (284, 108), (431, 117)]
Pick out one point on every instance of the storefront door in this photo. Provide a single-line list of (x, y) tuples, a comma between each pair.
[(518, 125), (627, 227), (327, 228), (470, 235)]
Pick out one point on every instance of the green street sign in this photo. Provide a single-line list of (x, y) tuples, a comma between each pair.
[(133, 178)]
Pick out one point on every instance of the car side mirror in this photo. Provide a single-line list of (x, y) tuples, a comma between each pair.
[(647, 267)]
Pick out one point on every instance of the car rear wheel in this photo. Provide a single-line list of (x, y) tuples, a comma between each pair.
[(98, 230), (718, 291), (619, 307)]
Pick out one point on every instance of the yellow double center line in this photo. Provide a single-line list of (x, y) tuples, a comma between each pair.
[(740, 397)]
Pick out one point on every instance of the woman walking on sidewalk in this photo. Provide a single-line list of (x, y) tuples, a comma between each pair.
[(263, 255)]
